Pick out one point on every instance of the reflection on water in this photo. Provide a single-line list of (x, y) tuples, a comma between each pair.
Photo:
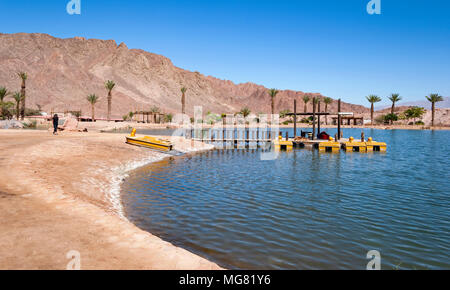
[(304, 210)]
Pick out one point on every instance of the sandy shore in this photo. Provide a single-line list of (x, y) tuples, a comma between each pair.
[(60, 194), (103, 126)]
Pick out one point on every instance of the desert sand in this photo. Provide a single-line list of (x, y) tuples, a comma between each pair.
[(61, 193)]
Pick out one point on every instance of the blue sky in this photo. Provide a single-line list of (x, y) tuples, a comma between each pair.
[(329, 46)]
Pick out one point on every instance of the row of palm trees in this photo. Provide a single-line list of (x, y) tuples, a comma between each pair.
[(93, 99), (394, 98), (110, 85), (306, 99), (273, 94), (18, 97)]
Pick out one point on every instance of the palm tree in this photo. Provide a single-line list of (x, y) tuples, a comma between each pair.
[(373, 99), (394, 99), (327, 102), (273, 94), (93, 99), (183, 100), (434, 98), (168, 118), (5, 109), (23, 76), (306, 99), (18, 98), (245, 112), (109, 85), (3, 94), (316, 100), (155, 109)]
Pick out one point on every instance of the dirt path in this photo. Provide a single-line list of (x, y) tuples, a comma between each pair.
[(55, 197)]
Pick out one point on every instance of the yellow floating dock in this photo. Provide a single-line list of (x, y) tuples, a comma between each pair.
[(330, 146), (354, 146), (149, 142), (283, 145), (373, 146)]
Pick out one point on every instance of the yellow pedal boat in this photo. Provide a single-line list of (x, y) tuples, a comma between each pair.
[(149, 142)]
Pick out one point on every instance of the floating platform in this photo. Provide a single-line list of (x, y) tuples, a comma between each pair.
[(373, 146), (354, 146), (284, 145), (330, 146)]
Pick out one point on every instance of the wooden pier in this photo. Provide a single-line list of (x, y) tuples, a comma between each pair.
[(254, 138), (231, 138), (243, 137)]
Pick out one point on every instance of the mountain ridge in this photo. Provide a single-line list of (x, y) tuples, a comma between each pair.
[(62, 72)]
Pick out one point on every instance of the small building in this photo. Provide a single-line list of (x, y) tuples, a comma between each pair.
[(149, 117), (347, 120)]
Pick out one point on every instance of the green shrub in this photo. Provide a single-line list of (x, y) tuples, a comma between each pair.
[(390, 117), (380, 120), (306, 120), (414, 113), (212, 118), (284, 113), (6, 110), (30, 125), (75, 113), (168, 118), (32, 112)]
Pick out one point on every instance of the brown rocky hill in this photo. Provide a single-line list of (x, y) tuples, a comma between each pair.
[(62, 72)]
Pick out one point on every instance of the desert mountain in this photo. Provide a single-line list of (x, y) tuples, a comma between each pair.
[(62, 72), (425, 104)]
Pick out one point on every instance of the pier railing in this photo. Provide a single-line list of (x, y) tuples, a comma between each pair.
[(234, 137)]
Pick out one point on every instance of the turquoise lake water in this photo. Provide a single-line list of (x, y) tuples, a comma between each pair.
[(304, 210)]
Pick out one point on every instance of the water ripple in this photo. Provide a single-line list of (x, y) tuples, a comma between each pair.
[(304, 210)]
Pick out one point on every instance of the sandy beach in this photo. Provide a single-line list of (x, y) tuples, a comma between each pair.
[(61, 193)]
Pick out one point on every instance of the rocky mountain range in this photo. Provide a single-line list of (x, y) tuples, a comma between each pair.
[(63, 72), (445, 104)]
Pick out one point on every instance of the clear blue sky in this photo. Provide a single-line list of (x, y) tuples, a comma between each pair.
[(329, 46)]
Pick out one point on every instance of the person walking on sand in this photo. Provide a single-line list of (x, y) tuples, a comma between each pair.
[(55, 124)]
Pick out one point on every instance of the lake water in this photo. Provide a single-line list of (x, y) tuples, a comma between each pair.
[(304, 210)]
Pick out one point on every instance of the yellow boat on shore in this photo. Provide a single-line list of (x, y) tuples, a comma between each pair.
[(149, 142)]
